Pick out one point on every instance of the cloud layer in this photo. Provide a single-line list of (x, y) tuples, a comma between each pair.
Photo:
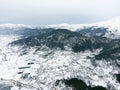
[(38, 12)]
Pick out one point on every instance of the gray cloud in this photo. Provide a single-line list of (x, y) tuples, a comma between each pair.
[(57, 11)]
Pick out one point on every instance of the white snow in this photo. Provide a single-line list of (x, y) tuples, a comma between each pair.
[(45, 70), (58, 65)]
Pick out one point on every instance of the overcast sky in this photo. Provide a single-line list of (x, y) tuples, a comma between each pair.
[(42, 12)]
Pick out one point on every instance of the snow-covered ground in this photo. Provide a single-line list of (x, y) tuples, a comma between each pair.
[(41, 69)]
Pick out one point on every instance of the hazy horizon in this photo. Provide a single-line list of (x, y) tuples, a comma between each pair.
[(45, 12)]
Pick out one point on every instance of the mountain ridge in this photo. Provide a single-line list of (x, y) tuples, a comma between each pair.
[(112, 27)]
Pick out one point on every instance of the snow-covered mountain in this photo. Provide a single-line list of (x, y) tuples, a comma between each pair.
[(112, 27), (60, 57)]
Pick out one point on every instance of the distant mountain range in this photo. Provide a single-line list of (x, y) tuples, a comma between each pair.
[(109, 28)]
